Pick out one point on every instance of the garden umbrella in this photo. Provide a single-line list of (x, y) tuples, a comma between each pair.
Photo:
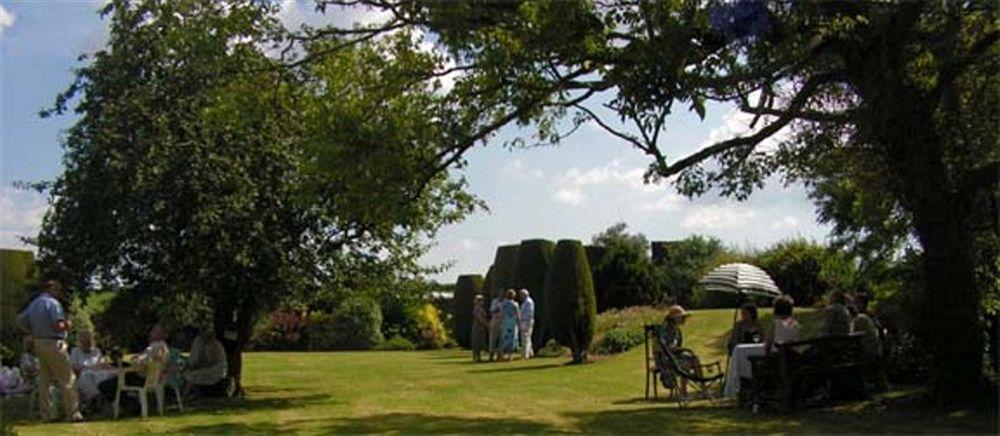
[(740, 278)]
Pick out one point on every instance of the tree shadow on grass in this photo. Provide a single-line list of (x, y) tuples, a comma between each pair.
[(426, 424), (519, 368), (902, 413)]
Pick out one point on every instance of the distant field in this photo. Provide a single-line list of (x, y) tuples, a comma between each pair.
[(442, 391)]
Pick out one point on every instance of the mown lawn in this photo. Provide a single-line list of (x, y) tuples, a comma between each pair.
[(442, 391)]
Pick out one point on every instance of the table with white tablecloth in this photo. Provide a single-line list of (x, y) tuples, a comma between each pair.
[(739, 367)]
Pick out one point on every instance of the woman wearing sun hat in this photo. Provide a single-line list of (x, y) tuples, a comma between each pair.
[(672, 337)]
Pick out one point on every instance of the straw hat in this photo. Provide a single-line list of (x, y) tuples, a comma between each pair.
[(676, 311)]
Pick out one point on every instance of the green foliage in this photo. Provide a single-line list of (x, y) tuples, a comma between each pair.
[(466, 289), (199, 170), (625, 273), (504, 269), (618, 340), (356, 325), (570, 291), (533, 261), (18, 274), (433, 334), (396, 343), (686, 262), (807, 270)]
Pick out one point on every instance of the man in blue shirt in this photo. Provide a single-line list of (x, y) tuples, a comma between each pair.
[(46, 321), (527, 323)]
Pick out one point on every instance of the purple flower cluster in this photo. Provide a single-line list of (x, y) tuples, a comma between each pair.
[(740, 19)]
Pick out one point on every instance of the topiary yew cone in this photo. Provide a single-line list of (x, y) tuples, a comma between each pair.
[(533, 260), (571, 306)]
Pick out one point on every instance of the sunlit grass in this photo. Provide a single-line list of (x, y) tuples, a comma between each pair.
[(442, 391)]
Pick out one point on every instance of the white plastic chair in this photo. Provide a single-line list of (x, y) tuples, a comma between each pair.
[(154, 370)]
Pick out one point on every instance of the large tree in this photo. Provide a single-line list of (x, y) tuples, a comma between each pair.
[(905, 89), (201, 170)]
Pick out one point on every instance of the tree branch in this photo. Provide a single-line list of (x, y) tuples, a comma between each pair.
[(796, 105)]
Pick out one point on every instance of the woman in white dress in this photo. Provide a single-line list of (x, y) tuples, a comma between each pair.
[(89, 366)]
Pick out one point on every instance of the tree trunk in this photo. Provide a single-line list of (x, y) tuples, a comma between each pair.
[(233, 328), (955, 335)]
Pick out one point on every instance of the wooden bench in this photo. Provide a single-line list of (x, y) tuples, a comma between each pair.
[(829, 367)]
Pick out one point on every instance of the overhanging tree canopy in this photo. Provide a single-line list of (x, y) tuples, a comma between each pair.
[(904, 91)]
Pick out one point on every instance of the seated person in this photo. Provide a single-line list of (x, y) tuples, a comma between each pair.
[(670, 340), (206, 365), (747, 329), (836, 317), (871, 343), (87, 362), (28, 362), (157, 351), (784, 327)]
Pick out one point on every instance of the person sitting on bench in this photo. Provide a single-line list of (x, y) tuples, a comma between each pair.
[(784, 327)]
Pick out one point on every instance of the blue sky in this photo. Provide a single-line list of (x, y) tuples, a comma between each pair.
[(573, 190)]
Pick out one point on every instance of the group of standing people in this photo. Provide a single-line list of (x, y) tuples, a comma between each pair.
[(505, 328), (84, 372)]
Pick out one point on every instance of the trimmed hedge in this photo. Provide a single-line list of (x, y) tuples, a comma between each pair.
[(18, 273), (466, 288), (533, 260), (504, 266), (357, 324), (571, 305), (595, 253)]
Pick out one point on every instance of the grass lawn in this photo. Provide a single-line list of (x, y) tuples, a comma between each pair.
[(442, 391)]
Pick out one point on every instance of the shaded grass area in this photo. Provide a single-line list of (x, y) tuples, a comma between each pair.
[(444, 392)]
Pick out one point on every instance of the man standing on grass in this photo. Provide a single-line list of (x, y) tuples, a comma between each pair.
[(527, 322), (45, 320)]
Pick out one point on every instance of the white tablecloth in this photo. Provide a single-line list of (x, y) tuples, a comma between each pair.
[(88, 380), (739, 366)]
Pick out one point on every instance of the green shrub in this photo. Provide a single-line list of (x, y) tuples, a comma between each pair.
[(396, 343), (533, 260), (466, 289), (504, 269), (356, 325), (433, 335), (570, 292), (18, 274), (552, 349), (619, 340)]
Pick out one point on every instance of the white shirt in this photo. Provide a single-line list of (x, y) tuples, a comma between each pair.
[(786, 330), (528, 310), (80, 360)]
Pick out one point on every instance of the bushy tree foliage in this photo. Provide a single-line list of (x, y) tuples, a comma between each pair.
[(570, 299), (625, 273), (806, 270), (688, 260), (200, 169), (18, 274), (895, 95)]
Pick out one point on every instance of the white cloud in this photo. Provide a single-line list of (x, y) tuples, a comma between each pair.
[(468, 244), (786, 222), (572, 184), (667, 202), (714, 217), (295, 13), (21, 215), (6, 18), (516, 169), (736, 123)]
